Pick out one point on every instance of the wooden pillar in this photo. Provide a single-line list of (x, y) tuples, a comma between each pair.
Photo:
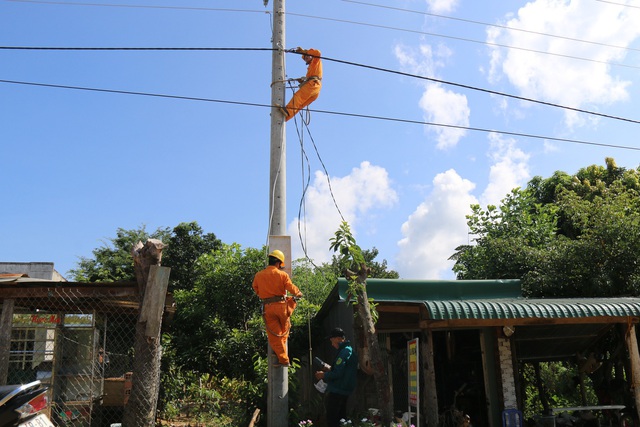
[(6, 322), (430, 402), (634, 361)]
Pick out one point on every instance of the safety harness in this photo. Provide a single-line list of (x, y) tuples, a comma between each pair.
[(278, 298), (308, 79)]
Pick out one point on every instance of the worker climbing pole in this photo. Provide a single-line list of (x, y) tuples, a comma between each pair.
[(272, 285), (310, 84)]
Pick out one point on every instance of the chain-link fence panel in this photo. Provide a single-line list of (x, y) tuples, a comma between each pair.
[(79, 340)]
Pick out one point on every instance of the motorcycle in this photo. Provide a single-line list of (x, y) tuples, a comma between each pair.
[(24, 405)]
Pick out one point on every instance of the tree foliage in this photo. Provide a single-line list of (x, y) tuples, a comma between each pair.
[(112, 262), (378, 270), (356, 271), (186, 244), (217, 321), (563, 236)]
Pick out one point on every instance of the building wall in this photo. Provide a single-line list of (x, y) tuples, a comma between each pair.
[(35, 270)]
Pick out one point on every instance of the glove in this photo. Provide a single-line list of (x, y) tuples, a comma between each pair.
[(301, 50)]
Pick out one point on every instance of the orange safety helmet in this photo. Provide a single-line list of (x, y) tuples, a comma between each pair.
[(277, 254)]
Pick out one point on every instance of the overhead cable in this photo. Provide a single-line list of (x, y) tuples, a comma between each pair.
[(354, 23), (465, 40), (619, 4), (133, 48), (135, 6), (371, 67), (493, 92), (364, 116), (471, 21)]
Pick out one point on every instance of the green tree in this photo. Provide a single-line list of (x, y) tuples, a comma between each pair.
[(509, 239), (355, 270), (563, 236), (602, 258), (186, 244), (218, 321), (112, 262), (315, 282)]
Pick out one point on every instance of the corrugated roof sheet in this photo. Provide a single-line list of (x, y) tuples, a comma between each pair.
[(489, 299), (524, 308)]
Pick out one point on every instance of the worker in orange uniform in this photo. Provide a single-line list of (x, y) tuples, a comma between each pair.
[(272, 285), (310, 84)]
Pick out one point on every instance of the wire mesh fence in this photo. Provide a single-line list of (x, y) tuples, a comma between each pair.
[(78, 339)]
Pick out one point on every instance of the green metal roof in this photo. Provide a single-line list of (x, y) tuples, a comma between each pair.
[(489, 299), (569, 308), (436, 290)]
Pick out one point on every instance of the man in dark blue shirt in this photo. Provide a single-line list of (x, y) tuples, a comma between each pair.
[(340, 378)]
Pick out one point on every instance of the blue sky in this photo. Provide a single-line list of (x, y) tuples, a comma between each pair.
[(78, 164)]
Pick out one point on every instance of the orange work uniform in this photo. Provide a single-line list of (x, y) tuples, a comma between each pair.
[(271, 283), (310, 89)]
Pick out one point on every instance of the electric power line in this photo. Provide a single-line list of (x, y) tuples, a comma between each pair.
[(371, 67), (493, 92), (135, 48), (466, 40), (471, 21), (364, 116), (134, 6), (366, 24), (619, 4)]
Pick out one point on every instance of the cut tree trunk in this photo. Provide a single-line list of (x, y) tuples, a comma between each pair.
[(152, 280), (383, 387)]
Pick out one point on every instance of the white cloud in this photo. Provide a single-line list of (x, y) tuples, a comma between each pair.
[(366, 189), (443, 106), (439, 105), (439, 224), (560, 79), (436, 228), (549, 147), (420, 61), (441, 6), (510, 169)]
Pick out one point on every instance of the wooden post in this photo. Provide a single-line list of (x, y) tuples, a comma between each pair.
[(634, 361), (145, 382), (6, 322)]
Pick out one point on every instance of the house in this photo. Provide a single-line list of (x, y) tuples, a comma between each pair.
[(35, 270), (475, 335), (76, 338)]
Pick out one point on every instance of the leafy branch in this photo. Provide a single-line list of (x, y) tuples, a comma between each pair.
[(352, 262)]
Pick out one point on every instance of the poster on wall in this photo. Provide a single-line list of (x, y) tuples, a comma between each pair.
[(414, 378)]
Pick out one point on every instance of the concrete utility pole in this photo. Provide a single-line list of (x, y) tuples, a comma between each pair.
[(278, 165), (278, 388)]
